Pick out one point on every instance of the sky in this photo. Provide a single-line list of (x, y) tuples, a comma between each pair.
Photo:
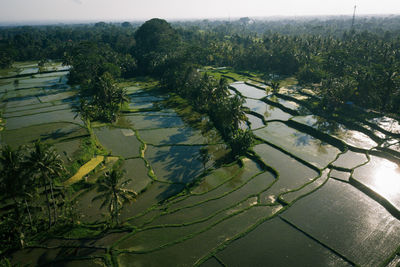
[(18, 11)]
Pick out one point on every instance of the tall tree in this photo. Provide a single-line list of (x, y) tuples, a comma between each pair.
[(114, 195), (46, 165), (11, 177), (155, 42), (15, 184)]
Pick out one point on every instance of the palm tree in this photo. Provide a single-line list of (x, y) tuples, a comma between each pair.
[(236, 112), (14, 185), (222, 88), (83, 109), (113, 193), (275, 86), (204, 157), (11, 175), (120, 96), (106, 100), (45, 165)]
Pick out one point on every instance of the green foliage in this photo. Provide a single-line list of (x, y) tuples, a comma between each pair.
[(275, 85), (10, 233), (111, 190), (77, 231), (241, 141), (26, 175), (359, 66), (101, 99), (126, 24), (45, 165), (312, 50), (337, 91), (12, 182), (87, 150), (14, 185), (7, 54), (308, 74), (155, 42), (4, 262), (89, 60), (204, 157), (227, 114), (208, 96)]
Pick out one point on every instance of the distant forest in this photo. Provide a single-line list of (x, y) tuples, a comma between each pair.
[(342, 62)]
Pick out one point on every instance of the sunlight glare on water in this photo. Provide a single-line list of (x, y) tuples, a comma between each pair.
[(387, 178)]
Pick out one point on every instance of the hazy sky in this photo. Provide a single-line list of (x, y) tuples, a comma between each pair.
[(42, 10)]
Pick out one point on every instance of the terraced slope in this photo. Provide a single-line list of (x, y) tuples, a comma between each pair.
[(314, 192)]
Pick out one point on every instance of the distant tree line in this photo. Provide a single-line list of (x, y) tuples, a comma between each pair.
[(356, 64)]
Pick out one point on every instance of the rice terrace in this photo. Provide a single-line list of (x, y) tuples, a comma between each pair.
[(201, 143)]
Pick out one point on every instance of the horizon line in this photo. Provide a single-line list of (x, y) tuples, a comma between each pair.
[(138, 20)]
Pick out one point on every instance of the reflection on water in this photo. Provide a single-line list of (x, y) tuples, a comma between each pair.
[(357, 139), (351, 137), (255, 122), (302, 139), (249, 91), (393, 144), (320, 123), (387, 123), (383, 177), (269, 112), (288, 104), (298, 143), (348, 221)]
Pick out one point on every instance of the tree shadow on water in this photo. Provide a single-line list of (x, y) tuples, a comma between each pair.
[(59, 133), (183, 134), (165, 121), (177, 164)]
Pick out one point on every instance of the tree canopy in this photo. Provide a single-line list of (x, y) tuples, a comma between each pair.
[(155, 42)]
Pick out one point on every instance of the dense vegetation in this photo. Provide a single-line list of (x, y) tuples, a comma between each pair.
[(34, 199), (342, 65), (29, 176), (167, 59)]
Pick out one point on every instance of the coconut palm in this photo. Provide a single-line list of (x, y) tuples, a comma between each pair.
[(104, 99), (14, 185), (275, 85), (45, 165), (107, 92), (11, 175), (236, 112), (222, 88), (113, 193), (204, 157), (82, 109), (120, 96)]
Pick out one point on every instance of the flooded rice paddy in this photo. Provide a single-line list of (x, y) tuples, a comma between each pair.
[(313, 192)]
